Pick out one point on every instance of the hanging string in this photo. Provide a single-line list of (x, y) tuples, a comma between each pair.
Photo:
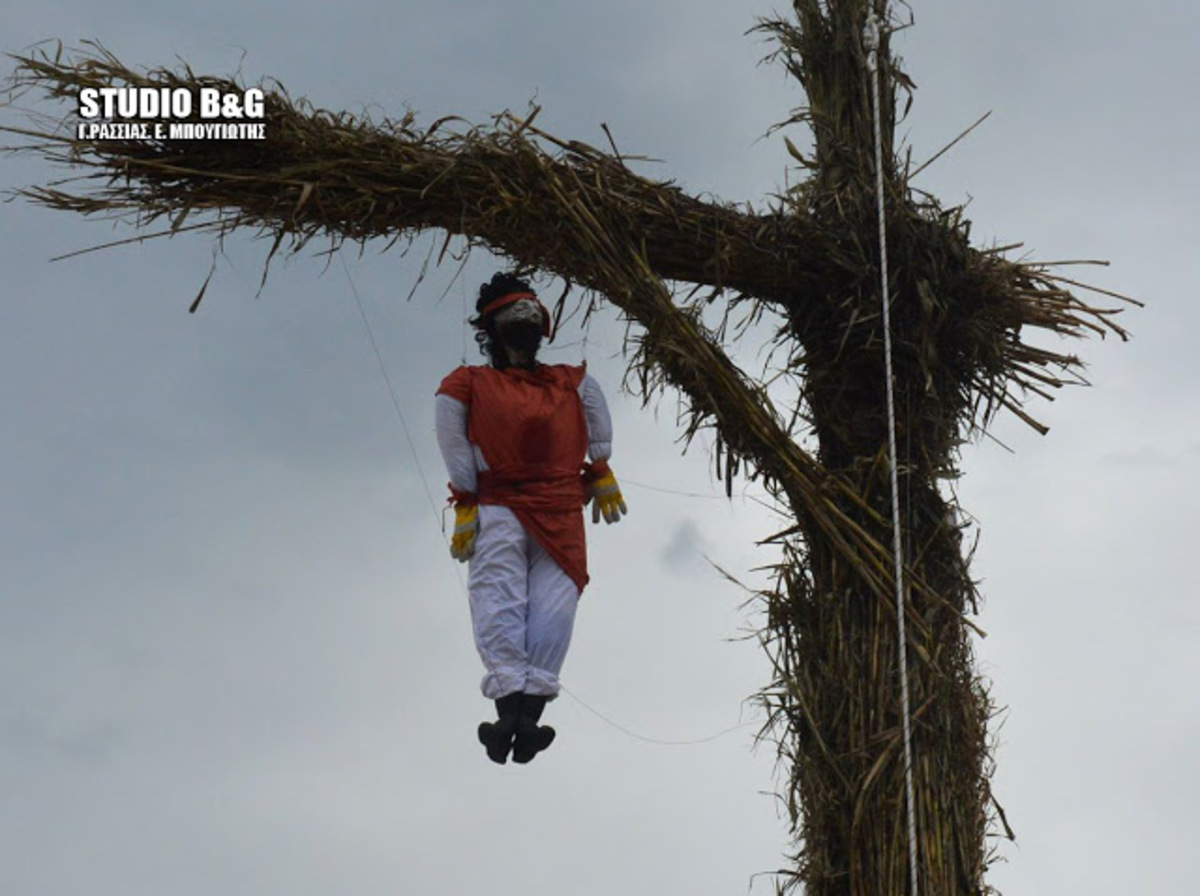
[(465, 326), (391, 390), (654, 740), (587, 326), (438, 515), (871, 41)]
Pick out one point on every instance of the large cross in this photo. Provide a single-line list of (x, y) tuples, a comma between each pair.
[(961, 317)]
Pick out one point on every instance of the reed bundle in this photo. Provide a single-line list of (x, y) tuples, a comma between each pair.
[(962, 319)]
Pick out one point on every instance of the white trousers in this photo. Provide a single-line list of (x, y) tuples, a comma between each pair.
[(522, 607)]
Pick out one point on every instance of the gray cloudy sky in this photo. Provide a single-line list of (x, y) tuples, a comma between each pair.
[(235, 653)]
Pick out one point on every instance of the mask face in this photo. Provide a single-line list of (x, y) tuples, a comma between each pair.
[(522, 335), (520, 325)]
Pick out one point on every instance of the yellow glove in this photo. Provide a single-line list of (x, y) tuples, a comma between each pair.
[(606, 498), (466, 527)]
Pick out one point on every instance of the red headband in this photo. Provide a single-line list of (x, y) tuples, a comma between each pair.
[(505, 300)]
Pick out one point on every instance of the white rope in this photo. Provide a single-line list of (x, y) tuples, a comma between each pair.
[(871, 41)]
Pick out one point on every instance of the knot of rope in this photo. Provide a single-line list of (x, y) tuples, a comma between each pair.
[(871, 42)]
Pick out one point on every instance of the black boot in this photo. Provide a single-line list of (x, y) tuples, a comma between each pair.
[(531, 738), (498, 736)]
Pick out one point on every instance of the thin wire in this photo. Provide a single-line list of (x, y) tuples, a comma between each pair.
[(744, 496), (391, 390), (458, 573), (587, 325), (871, 39), (654, 740), (671, 491), (463, 289)]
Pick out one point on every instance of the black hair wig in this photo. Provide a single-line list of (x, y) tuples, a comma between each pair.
[(501, 284)]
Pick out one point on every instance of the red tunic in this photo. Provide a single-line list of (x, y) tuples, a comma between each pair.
[(531, 430)]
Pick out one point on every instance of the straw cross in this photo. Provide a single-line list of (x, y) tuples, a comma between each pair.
[(807, 263)]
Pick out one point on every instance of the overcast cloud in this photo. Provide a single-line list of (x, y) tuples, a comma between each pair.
[(235, 653)]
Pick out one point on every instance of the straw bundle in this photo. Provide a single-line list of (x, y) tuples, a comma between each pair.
[(961, 319)]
